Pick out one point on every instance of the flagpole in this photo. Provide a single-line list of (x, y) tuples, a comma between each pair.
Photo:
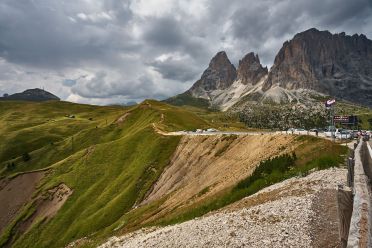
[(329, 105), (333, 123)]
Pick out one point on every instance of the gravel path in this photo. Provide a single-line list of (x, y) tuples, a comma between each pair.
[(281, 215)]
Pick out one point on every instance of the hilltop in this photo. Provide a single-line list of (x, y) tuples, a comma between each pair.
[(37, 95)]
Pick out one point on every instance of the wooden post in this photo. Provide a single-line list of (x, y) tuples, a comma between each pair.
[(350, 172), (344, 209)]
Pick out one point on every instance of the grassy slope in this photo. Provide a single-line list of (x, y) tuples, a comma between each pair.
[(185, 99), (109, 168), (27, 126)]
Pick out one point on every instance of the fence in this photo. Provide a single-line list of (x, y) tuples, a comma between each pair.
[(360, 231)]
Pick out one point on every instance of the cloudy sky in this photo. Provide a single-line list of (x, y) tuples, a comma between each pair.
[(112, 51)]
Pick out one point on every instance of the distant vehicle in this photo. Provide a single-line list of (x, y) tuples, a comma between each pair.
[(300, 129), (291, 129), (199, 130), (313, 130), (354, 134), (329, 130), (211, 130), (343, 134), (339, 133), (366, 137)]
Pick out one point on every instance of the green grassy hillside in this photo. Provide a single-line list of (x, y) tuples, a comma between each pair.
[(111, 157), (109, 166), (186, 99), (28, 126)]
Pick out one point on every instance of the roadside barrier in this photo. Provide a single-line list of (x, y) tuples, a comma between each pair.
[(360, 232)]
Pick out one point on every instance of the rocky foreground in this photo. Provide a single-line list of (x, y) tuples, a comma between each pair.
[(299, 212)]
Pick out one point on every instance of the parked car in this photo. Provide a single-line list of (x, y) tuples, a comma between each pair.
[(354, 134), (300, 130), (290, 130), (211, 130), (343, 134), (338, 133)]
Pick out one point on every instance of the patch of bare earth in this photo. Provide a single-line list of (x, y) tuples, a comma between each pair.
[(298, 212), (122, 118), (204, 165), (47, 205), (14, 193)]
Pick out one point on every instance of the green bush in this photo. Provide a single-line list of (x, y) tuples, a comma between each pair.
[(10, 166), (268, 172), (26, 156)]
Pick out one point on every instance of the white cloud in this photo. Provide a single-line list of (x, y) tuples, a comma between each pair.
[(95, 17)]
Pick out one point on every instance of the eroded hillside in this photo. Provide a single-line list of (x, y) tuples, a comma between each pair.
[(202, 166), (299, 212)]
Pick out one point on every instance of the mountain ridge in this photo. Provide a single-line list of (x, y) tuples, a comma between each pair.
[(313, 63), (37, 95)]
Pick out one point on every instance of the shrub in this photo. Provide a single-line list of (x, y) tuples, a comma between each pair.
[(10, 166), (26, 157), (269, 171)]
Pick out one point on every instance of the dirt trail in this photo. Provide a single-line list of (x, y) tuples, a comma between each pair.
[(122, 118), (204, 165), (14, 193)]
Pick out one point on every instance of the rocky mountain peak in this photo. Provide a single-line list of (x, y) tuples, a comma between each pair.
[(312, 62), (220, 59), (219, 75), (334, 64), (250, 70)]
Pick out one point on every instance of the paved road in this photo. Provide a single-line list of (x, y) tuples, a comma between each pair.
[(243, 133), (218, 133)]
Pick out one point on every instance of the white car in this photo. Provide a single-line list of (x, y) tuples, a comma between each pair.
[(212, 130), (343, 135), (328, 133)]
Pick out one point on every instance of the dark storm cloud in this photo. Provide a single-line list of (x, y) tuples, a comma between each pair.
[(178, 70), (137, 49), (100, 86), (45, 35), (273, 22), (164, 32)]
